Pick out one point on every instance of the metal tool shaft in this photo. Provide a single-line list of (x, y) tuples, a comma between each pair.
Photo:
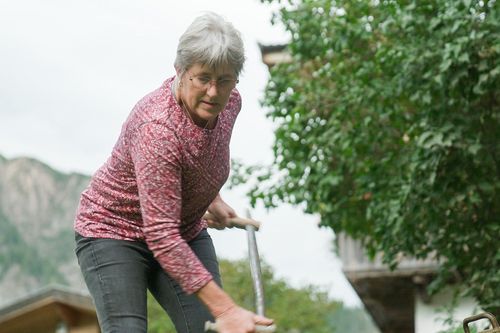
[(256, 273), (255, 270)]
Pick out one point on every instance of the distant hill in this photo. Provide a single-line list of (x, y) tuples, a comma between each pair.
[(37, 206)]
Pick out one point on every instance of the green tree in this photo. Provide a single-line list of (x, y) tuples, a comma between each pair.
[(306, 309), (14, 251), (387, 126), (297, 310)]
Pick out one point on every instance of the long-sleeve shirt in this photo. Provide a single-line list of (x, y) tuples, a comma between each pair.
[(162, 175)]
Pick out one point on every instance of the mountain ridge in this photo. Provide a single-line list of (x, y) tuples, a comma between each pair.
[(37, 207)]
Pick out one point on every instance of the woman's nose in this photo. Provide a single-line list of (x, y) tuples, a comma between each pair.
[(212, 89)]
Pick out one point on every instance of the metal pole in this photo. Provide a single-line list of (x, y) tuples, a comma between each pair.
[(253, 254)]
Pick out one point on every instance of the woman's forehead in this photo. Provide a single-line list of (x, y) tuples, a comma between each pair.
[(220, 70)]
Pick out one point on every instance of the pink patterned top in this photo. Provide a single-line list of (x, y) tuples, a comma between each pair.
[(162, 175)]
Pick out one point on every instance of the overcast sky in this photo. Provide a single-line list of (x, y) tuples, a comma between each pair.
[(71, 71)]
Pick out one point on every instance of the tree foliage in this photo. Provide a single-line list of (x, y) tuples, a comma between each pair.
[(16, 252), (388, 122), (295, 310)]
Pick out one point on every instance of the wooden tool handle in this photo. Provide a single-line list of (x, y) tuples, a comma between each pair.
[(212, 327), (238, 222)]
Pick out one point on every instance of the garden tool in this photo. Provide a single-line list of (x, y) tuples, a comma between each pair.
[(495, 328), (250, 226)]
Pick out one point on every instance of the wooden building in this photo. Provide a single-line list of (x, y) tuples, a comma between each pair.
[(50, 310)]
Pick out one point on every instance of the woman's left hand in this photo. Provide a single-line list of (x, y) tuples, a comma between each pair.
[(222, 213)]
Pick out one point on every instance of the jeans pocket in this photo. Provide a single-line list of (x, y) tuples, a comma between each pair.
[(81, 242)]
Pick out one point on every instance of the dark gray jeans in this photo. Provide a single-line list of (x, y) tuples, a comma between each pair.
[(118, 273)]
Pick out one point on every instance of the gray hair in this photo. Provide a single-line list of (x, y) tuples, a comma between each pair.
[(210, 40)]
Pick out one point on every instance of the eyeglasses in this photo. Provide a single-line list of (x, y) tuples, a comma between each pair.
[(205, 82)]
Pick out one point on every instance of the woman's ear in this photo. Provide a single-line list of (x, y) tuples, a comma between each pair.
[(180, 73)]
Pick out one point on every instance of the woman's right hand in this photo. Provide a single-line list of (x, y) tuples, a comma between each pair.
[(229, 317), (239, 320)]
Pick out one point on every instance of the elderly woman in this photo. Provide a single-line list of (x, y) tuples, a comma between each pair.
[(139, 224)]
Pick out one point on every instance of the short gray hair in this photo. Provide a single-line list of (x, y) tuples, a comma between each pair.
[(210, 40)]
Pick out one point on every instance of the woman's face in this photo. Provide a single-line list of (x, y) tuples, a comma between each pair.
[(205, 91)]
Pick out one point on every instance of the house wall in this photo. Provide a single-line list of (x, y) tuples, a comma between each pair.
[(430, 314), (85, 324)]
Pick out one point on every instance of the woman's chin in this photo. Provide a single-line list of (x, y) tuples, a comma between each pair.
[(209, 113)]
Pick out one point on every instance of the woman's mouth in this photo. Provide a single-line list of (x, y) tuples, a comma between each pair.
[(209, 104)]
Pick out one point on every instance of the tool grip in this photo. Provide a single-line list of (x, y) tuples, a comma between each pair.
[(238, 222), (484, 315), (212, 327)]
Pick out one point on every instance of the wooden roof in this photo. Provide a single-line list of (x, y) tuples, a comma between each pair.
[(274, 54), (46, 309)]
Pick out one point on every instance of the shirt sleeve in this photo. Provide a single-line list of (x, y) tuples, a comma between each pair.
[(157, 160)]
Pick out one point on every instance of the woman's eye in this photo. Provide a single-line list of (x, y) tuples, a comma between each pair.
[(204, 79)]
